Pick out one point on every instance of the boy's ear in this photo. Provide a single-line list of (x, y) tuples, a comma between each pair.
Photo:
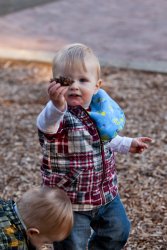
[(32, 232), (98, 85)]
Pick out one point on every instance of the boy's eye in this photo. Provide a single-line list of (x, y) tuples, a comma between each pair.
[(83, 80)]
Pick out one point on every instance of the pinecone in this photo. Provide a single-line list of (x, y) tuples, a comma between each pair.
[(64, 81)]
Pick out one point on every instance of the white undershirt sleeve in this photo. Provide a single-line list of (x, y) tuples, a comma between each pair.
[(49, 119), (121, 144)]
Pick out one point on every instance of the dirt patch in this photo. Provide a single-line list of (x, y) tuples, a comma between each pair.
[(142, 178)]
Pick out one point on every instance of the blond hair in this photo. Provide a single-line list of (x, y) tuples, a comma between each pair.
[(48, 210), (72, 56)]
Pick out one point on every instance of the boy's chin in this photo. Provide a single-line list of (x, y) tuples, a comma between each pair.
[(74, 103)]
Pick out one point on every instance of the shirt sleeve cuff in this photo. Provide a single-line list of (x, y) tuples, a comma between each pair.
[(121, 144)]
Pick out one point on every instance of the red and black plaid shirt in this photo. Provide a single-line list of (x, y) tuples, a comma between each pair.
[(76, 160)]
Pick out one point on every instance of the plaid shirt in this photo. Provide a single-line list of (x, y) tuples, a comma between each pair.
[(76, 160), (12, 233)]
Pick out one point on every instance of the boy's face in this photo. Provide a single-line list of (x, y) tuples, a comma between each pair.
[(38, 240), (85, 85)]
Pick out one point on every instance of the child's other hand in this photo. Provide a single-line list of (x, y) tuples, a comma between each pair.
[(56, 93), (139, 144)]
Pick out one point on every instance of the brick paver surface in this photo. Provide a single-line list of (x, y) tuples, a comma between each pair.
[(115, 29)]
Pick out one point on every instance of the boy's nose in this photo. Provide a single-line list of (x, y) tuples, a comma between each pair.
[(74, 85)]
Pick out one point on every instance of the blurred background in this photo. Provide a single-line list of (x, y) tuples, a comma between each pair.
[(10, 6), (130, 39), (123, 33)]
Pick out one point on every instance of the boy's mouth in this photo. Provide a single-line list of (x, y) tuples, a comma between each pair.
[(75, 95)]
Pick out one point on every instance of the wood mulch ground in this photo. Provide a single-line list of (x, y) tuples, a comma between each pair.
[(142, 178)]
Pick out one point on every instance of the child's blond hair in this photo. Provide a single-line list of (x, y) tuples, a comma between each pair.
[(48, 210), (72, 56)]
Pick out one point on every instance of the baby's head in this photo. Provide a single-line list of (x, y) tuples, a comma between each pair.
[(47, 214), (72, 57), (78, 62)]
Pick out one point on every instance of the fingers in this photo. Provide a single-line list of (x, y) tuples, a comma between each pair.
[(145, 139), (141, 150), (55, 86), (143, 143), (56, 90), (144, 146), (140, 144)]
